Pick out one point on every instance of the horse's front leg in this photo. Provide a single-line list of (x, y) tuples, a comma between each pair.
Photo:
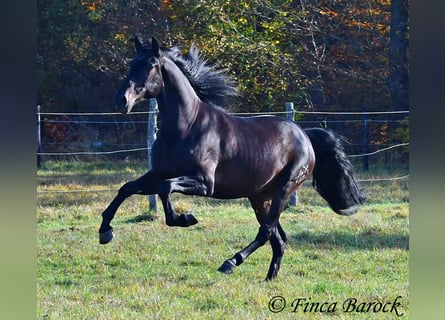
[(186, 185), (172, 219), (147, 184)]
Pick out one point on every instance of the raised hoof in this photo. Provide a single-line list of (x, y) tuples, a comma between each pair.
[(227, 267), (190, 219), (348, 211), (186, 220), (106, 236)]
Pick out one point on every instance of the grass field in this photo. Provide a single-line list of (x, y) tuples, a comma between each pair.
[(151, 271)]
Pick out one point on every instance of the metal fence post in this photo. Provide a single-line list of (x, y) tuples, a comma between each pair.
[(151, 137), (39, 141), (365, 146), (291, 116)]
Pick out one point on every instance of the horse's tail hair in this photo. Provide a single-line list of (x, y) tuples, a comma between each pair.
[(332, 175)]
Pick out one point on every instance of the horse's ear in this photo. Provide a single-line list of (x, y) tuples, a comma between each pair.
[(137, 44), (155, 47)]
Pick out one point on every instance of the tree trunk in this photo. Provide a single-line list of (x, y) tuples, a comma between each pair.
[(398, 55)]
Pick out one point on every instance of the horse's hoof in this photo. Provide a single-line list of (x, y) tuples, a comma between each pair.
[(106, 236), (227, 267), (185, 220), (190, 219), (348, 211)]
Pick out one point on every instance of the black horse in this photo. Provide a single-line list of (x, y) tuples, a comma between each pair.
[(202, 150)]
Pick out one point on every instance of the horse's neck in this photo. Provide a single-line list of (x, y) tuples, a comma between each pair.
[(178, 101)]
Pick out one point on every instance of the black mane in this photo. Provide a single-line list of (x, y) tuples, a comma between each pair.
[(212, 85)]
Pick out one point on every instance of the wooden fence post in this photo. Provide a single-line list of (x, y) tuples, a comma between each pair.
[(291, 116), (151, 137), (39, 142), (365, 144)]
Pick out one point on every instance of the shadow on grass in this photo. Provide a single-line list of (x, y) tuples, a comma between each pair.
[(142, 217), (365, 240), (83, 179)]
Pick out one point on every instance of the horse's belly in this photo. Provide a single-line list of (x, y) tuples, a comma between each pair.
[(239, 182)]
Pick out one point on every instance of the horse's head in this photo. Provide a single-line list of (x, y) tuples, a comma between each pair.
[(144, 80)]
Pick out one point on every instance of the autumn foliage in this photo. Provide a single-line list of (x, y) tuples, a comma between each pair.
[(323, 55)]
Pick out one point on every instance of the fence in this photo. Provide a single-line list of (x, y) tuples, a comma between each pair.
[(82, 134)]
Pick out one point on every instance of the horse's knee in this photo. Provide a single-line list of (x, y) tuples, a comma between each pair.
[(126, 190)]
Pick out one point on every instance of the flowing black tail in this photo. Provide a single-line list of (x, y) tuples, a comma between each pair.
[(332, 175)]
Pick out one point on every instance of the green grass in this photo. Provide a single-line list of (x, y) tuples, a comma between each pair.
[(151, 271)]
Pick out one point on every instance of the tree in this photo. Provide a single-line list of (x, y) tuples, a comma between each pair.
[(83, 48), (250, 38), (398, 51), (332, 55), (345, 49)]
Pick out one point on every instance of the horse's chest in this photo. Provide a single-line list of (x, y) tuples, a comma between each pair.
[(175, 158)]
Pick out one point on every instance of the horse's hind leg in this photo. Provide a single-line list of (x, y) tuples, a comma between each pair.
[(147, 184), (229, 265), (266, 232), (278, 245), (278, 239)]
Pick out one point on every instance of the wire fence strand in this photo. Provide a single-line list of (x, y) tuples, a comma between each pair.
[(90, 152), (234, 113), (116, 189), (147, 149), (68, 114), (378, 151)]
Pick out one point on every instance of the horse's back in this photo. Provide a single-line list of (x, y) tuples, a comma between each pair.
[(254, 150), (271, 136)]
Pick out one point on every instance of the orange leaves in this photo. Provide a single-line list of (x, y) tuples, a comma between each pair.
[(92, 5), (360, 17), (165, 5), (327, 11), (119, 36), (95, 9)]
